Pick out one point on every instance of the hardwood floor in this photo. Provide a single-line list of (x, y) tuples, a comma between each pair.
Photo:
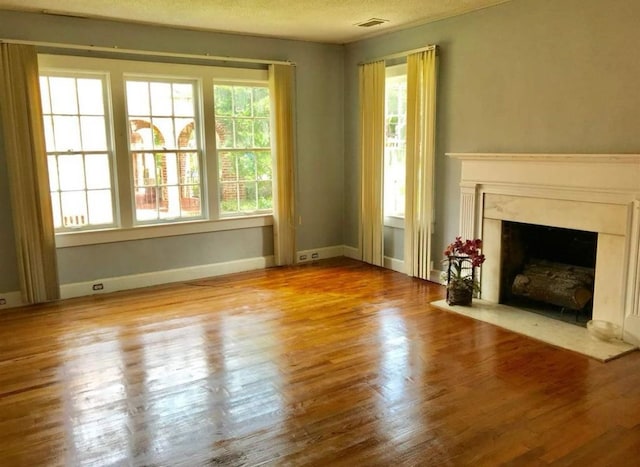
[(334, 363)]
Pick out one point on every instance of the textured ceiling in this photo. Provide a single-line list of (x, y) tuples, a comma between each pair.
[(332, 21)]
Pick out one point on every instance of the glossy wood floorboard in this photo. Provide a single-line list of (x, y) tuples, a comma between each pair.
[(334, 363)]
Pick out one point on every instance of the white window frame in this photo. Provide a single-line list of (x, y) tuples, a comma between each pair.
[(245, 83), (104, 78), (126, 228), (197, 85)]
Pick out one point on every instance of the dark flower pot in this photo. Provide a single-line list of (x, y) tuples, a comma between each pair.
[(459, 296)]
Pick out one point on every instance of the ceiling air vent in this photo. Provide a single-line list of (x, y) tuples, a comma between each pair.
[(372, 22)]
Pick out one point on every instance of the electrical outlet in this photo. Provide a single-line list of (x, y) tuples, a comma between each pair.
[(315, 256), (3, 301), (98, 286), (302, 257)]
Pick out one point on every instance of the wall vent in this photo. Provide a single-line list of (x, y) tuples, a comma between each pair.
[(372, 22)]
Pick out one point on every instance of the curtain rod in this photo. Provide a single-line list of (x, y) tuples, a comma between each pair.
[(116, 49), (400, 54)]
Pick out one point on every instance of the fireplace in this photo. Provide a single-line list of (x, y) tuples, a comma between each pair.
[(597, 194), (548, 270)]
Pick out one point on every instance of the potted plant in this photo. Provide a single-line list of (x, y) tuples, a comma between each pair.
[(462, 259)]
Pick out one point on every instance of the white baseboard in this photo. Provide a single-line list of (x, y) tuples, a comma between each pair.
[(436, 276), (134, 281), (113, 284), (10, 300), (632, 329), (351, 252), (394, 264), (306, 256)]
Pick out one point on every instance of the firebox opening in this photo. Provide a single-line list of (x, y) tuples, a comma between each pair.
[(548, 270)]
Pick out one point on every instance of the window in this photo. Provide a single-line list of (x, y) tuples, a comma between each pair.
[(244, 148), (79, 152), (134, 143), (165, 149), (395, 140)]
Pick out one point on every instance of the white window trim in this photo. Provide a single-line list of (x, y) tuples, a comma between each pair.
[(95, 237), (394, 221), (126, 230)]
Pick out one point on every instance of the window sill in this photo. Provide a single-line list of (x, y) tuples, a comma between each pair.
[(394, 221), (95, 237)]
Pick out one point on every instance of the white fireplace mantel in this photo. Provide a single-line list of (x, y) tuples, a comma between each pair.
[(593, 192)]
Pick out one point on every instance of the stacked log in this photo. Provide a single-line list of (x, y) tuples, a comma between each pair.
[(559, 284)]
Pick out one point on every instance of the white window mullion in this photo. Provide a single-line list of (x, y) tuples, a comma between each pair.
[(123, 162), (209, 170)]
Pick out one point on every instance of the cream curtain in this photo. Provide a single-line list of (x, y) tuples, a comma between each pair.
[(281, 84), (24, 148), (372, 85), (421, 108)]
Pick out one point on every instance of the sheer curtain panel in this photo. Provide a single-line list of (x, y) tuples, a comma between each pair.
[(24, 149), (281, 83), (372, 86), (421, 114)]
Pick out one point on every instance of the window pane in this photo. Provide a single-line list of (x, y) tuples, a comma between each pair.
[(161, 100), (97, 171), (142, 137), (144, 169), (189, 169), (71, 172), (261, 102), (227, 166), (262, 133), (264, 166), (223, 96), (265, 196), (167, 165), (67, 133), (63, 95), (100, 208), (183, 100), (248, 197), (228, 198), (137, 98), (50, 140), (246, 166), (53, 173), (169, 202), (90, 96), (146, 203), (94, 137), (74, 209), (186, 133), (243, 133), (55, 208), (224, 132), (44, 95), (241, 101), (164, 136)]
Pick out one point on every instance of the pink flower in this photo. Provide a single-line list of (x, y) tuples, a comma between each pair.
[(469, 249)]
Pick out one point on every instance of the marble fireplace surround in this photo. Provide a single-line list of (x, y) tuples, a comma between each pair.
[(594, 192)]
